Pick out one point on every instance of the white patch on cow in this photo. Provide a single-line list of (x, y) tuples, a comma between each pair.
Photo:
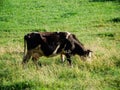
[(68, 34), (89, 57), (55, 51), (90, 54)]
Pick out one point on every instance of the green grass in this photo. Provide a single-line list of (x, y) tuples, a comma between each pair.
[(96, 23)]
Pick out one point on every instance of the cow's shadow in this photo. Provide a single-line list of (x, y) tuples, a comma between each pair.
[(50, 61)]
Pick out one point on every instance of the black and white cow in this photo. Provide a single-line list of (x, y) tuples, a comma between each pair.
[(51, 44)]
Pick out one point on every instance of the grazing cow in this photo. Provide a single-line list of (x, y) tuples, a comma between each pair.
[(52, 43)]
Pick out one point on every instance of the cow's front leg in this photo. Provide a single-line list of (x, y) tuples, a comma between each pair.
[(26, 59), (62, 58), (68, 56)]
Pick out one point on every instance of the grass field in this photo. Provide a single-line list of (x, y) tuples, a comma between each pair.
[(96, 23)]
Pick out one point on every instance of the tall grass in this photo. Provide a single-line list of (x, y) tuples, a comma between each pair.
[(96, 23)]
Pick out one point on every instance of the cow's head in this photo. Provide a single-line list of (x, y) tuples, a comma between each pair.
[(87, 55)]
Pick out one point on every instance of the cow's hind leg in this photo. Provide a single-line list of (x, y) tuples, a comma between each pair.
[(35, 58), (35, 61), (26, 59)]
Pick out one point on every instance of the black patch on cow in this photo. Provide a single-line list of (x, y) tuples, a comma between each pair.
[(33, 40), (50, 43)]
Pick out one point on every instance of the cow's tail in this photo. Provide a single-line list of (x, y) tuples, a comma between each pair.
[(24, 54), (25, 46)]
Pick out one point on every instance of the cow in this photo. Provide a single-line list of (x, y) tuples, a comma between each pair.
[(49, 44)]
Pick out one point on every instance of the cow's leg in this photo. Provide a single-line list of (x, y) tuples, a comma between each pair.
[(35, 58), (62, 57), (26, 58), (68, 56)]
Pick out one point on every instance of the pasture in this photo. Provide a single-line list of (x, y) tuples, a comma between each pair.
[(96, 23)]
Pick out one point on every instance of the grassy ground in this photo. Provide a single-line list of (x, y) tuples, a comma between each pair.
[(96, 23)]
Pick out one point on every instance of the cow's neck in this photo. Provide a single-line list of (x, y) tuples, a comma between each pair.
[(80, 50)]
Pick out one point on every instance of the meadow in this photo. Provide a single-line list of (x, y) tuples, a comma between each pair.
[(96, 23)]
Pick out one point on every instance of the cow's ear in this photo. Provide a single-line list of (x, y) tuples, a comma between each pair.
[(89, 50)]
